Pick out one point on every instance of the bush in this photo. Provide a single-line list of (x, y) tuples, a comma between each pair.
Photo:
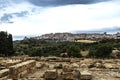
[(101, 51), (73, 51)]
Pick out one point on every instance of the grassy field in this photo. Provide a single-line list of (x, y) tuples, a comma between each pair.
[(85, 41)]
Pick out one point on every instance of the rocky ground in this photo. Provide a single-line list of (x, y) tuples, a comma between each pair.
[(108, 69), (94, 69)]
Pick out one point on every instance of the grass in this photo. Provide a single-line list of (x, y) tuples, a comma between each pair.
[(85, 41), (84, 53)]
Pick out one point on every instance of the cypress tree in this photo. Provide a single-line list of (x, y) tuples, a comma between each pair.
[(6, 44)]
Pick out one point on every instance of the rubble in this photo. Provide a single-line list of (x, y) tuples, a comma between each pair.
[(4, 72), (51, 75), (85, 75), (67, 68), (74, 75), (36, 68)]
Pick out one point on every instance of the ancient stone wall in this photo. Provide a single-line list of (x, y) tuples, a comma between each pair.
[(17, 70), (22, 69)]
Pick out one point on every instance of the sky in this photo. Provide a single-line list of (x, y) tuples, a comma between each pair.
[(37, 17)]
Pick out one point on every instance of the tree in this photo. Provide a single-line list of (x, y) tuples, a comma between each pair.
[(10, 44), (101, 51), (92, 52), (73, 51), (6, 44), (35, 52), (3, 45)]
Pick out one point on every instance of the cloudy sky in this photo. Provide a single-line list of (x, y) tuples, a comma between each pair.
[(36, 17)]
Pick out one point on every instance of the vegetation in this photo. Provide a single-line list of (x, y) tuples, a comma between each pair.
[(101, 48), (6, 44), (73, 51), (36, 47), (101, 51)]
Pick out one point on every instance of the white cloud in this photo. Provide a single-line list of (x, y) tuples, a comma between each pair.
[(65, 18)]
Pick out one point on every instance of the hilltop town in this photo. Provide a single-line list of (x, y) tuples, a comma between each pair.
[(61, 37)]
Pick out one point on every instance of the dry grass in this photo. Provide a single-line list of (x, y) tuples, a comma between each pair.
[(84, 53), (85, 41)]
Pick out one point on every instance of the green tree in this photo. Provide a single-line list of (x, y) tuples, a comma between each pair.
[(35, 52), (10, 44), (104, 51), (73, 51), (6, 44), (92, 52), (3, 45), (101, 51)]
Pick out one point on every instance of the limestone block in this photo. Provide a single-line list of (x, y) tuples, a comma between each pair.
[(4, 72), (50, 74), (86, 75), (75, 75), (67, 68), (68, 76), (21, 69)]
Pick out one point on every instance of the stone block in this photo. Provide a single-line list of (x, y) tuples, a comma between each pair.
[(4, 72), (50, 74), (86, 75)]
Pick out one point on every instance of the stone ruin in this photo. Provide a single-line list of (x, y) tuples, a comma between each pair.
[(51, 75), (22, 69), (16, 69), (48, 68), (68, 73)]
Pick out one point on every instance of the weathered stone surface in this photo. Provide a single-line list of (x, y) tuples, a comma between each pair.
[(74, 65), (67, 68), (4, 72), (2, 67), (99, 65), (83, 65), (68, 76), (24, 73), (9, 62), (51, 75), (75, 75), (58, 66), (111, 66), (21, 69), (86, 75), (39, 65)]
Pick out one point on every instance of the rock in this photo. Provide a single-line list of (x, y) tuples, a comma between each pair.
[(75, 65), (51, 75), (86, 75), (21, 69), (99, 65), (4, 72), (111, 66), (67, 68), (68, 76), (58, 66), (39, 65), (91, 65), (75, 75), (83, 66)]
